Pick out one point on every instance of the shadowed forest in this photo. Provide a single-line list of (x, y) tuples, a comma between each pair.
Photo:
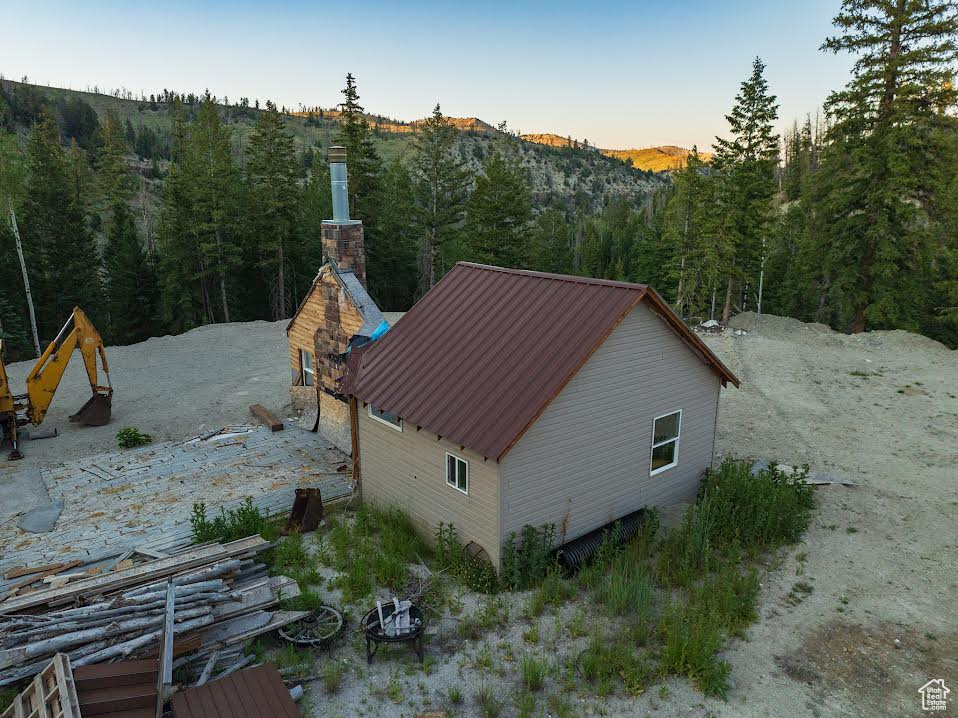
[(163, 212)]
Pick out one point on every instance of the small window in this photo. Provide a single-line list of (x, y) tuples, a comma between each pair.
[(457, 473), (306, 364), (665, 441), (385, 417)]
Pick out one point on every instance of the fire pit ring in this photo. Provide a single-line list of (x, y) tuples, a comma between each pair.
[(376, 635)]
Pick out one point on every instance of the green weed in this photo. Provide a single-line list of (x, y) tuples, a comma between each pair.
[(627, 588), (130, 437), (247, 520), (488, 700), (526, 559), (533, 671), (606, 662)]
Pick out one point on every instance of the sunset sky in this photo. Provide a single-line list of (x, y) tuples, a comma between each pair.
[(620, 74)]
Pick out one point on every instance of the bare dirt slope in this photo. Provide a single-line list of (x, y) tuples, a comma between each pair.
[(170, 387), (882, 619)]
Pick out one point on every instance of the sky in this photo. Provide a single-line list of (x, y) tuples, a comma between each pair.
[(619, 74)]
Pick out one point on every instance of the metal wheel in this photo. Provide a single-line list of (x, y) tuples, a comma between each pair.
[(317, 629)]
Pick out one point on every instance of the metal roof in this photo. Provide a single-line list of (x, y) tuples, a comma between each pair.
[(483, 353)]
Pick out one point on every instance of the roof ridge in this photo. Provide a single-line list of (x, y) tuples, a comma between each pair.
[(571, 278)]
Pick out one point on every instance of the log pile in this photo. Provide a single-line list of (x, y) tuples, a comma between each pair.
[(220, 598)]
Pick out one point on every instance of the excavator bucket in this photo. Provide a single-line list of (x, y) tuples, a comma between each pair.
[(96, 412)]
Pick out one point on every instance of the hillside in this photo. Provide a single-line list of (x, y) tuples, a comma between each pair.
[(564, 175), (656, 159), (649, 159)]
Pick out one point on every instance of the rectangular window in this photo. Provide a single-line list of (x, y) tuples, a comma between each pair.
[(457, 473), (665, 441), (306, 365), (385, 417)]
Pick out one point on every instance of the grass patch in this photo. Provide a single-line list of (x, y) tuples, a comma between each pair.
[(527, 559), (799, 592), (692, 640), (607, 662), (298, 661), (374, 549), (332, 676), (7, 695), (553, 591), (475, 572), (488, 700), (533, 671), (736, 511), (627, 588), (488, 616), (246, 520)]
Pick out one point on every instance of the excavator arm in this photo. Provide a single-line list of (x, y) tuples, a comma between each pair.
[(43, 380)]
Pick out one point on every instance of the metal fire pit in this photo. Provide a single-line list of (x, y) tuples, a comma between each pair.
[(376, 635)]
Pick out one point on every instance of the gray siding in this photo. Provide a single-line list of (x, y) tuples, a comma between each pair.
[(407, 469), (585, 461)]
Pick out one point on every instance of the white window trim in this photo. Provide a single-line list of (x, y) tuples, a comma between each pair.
[(303, 371), (369, 410), (453, 483), (677, 439)]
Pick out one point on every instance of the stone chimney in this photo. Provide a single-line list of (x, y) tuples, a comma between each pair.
[(343, 240)]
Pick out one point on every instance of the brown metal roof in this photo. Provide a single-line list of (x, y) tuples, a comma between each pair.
[(256, 692), (479, 358)]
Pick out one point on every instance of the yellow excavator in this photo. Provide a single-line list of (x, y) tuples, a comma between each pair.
[(17, 410)]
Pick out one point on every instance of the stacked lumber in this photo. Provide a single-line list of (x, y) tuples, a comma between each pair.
[(202, 600)]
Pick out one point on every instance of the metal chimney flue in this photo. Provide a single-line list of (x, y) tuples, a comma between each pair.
[(339, 184)]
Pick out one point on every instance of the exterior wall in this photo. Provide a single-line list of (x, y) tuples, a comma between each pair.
[(407, 469), (323, 327), (585, 461), (334, 422)]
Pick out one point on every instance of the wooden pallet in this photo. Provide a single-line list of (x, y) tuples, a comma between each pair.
[(52, 694)]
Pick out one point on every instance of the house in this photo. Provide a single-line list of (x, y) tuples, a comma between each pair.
[(336, 315), (507, 397)]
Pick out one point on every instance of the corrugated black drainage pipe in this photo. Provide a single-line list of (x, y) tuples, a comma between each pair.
[(579, 552)]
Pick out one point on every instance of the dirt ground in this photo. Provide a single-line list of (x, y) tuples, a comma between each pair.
[(879, 409)]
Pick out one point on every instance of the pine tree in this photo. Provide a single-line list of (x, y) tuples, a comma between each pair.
[(131, 288), (691, 232), (365, 166), (184, 291), (499, 215), (213, 183), (113, 172), (271, 175), (392, 263), (57, 243), (745, 164), (553, 241), (316, 205), (882, 160), (443, 181)]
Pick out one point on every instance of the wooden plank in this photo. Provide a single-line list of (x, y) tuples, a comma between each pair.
[(266, 416), (27, 570), (40, 707), (40, 576), (66, 689), (143, 573), (164, 679)]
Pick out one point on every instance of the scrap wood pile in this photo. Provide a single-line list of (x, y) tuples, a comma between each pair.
[(219, 597)]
